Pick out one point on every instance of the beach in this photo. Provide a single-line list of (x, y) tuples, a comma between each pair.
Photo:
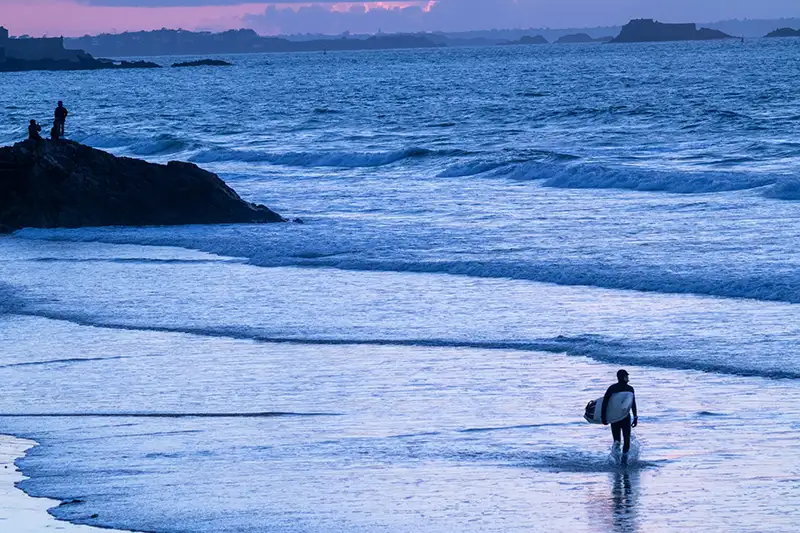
[(19, 512)]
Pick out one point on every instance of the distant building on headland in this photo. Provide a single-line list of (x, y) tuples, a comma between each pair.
[(51, 48)]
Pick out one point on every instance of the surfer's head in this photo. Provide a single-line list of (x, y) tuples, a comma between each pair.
[(622, 376)]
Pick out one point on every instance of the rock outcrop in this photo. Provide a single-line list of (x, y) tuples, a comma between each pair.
[(527, 39), (204, 63), (578, 38), (784, 32), (648, 31), (51, 184)]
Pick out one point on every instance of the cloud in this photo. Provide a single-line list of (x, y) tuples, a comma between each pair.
[(192, 3), (75, 17), (463, 15)]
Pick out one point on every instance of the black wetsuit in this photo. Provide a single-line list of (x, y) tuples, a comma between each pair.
[(624, 425)]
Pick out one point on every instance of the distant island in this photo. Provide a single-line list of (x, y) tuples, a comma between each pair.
[(527, 39), (578, 38), (648, 31), (204, 63), (18, 55), (180, 42), (784, 32)]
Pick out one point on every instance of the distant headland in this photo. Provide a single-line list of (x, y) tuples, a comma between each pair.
[(49, 54), (784, 32), (181, 42), (648, 31)]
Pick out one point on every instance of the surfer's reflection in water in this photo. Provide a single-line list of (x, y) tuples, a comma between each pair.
[(624, 496)]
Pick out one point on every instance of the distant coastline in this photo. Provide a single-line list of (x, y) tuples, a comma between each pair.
[(24, 53)]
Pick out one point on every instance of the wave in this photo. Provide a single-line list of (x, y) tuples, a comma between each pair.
[(597, 176), (786, 190), (10, 302), (780, 284), (318, 159), (162, 144), (536, 159), (159, 145), (595, 347)]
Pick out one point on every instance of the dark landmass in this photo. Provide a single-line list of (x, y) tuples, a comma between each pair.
[(648, 31), (89, 63), (784, 32), (527, 39), (579, 38), (63, 184), (18, 55), (204, 63), (179, 42)]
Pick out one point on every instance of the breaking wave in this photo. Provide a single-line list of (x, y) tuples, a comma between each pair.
[(318, 159), (597, 176)]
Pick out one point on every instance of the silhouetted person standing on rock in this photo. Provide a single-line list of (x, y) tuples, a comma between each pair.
[(61, 117), (33, 131)]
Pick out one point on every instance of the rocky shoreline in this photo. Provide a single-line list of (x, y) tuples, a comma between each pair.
[(64, 184)]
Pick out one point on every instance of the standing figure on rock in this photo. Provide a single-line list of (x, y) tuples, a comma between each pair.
[(61, 117), (33, 131)]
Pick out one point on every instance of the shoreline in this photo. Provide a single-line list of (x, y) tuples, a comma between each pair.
[(20, 512)]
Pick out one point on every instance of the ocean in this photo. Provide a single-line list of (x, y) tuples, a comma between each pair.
[(489, 234)]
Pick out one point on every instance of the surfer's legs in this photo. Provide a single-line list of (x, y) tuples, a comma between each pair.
[(615, 431), (626, 434), (622, 430)]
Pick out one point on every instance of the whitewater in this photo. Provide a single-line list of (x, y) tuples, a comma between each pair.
[(487, 235)]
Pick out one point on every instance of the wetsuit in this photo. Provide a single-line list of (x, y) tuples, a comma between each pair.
[(624, 425)]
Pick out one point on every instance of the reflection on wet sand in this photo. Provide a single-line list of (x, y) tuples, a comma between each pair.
[(624, 496)]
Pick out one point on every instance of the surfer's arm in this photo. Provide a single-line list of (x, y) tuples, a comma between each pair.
[(635, 412)]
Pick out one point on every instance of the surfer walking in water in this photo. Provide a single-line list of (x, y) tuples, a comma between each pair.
[(621, 428)]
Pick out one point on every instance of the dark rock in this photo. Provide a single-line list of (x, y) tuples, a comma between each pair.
[(50, 184), (204, 63), (136, 64), (85, 62), (784, 32), (648, 30), (578, 38), (527, 39)]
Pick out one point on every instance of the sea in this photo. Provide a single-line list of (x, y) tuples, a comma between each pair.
[(488, 235)]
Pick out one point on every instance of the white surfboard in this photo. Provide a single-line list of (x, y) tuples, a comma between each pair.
[(619, 407)]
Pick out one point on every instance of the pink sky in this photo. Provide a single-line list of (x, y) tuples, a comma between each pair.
[(56, 17), (70, 18)]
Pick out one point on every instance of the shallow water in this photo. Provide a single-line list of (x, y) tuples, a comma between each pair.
[(490, 234)]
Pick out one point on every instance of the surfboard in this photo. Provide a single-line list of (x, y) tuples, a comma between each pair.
[(619, 406)]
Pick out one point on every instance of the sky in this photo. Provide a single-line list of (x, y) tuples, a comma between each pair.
[(79, 17)]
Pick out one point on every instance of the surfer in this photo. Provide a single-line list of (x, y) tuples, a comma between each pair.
[(623, 426)]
